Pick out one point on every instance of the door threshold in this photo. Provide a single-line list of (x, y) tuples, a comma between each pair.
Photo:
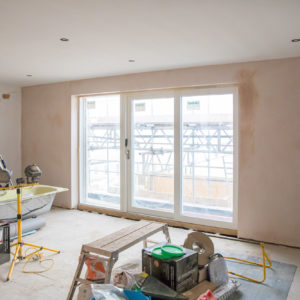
[(173, 223)]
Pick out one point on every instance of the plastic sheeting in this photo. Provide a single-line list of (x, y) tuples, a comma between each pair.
[(27, 225)]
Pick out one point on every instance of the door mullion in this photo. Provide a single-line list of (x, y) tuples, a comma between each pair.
[(123, 160), (128, 159), (177, 156), (83, 150)]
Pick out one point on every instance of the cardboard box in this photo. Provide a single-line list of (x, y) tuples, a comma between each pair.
[(199, 289), (4, 243), (203, 273), (179, 273)]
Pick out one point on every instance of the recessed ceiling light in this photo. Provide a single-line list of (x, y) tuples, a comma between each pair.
[(64, 39), (131, 60), (295, 40), (29, 75)]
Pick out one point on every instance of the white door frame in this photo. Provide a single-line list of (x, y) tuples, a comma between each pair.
[(213, 91), (130, 162), (126, 165)]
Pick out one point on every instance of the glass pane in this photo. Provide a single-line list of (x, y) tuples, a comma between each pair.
[(207, 156), (153, 154), (102, 119)]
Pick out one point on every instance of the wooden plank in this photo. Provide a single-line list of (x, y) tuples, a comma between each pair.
[(139, 233), (100, 243), (114, 247), (121, 243), (97, 251), (134, 237), (199, 227)]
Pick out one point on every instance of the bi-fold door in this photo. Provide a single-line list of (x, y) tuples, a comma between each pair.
[(170, 154), (150, 171)]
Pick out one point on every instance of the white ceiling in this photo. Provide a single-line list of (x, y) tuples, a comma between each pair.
[(158, 34)]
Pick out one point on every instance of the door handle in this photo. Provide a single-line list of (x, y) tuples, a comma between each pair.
[(127, 153)]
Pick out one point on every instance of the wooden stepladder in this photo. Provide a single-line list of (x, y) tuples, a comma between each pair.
[(108, 248)]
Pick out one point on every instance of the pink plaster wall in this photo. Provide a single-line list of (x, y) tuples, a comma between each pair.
[(269, 136), (10, 128)]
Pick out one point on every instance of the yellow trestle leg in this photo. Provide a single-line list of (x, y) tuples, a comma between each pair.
[(32, 253), (13, 262), (263, 265), (18, 254), (41, 247), (19, 218)]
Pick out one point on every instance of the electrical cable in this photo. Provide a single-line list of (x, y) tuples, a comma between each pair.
[(36, 255)]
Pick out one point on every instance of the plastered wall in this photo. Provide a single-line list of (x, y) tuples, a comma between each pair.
[(269, 136), (10, 128)]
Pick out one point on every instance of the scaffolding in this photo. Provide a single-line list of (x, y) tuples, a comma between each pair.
[(202, 143)]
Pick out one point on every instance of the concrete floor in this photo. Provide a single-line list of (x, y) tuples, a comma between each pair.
[(67, 230)]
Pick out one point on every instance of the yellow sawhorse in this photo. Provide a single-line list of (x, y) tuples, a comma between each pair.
[(263, 265)]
